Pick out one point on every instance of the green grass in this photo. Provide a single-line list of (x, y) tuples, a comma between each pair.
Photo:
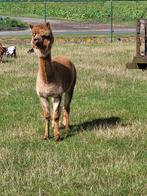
[(105, 151), (124, 12)]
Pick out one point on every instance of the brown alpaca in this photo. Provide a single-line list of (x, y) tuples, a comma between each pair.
[(54, 78)]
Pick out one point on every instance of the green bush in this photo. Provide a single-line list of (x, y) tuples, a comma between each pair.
[(7, 23)]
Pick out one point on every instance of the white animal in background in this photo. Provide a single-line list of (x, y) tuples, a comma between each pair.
[(11, 51)]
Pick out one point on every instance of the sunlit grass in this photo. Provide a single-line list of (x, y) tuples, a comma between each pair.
[(105, 151)]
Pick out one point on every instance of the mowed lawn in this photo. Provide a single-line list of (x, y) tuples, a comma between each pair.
[(105, 152)]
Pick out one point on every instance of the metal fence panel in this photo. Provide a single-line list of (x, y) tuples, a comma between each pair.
[(103, 17)]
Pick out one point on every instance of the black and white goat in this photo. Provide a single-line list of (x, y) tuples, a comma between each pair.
[(10, 51)]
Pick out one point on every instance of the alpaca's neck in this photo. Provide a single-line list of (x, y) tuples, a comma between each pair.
[(45, 68)]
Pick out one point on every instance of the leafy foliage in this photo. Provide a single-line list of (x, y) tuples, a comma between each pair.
[(79, 11), (7, 23)]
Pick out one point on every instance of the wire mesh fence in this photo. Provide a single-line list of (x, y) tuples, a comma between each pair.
[(86, 16)]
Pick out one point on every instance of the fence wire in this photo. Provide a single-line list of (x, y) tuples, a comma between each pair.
[(109, 17)]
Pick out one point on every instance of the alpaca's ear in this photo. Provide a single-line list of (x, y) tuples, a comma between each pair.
[(31, 26), (51, 34), (52, 37), (48, 25)]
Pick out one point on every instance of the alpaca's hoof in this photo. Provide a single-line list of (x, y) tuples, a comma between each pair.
[(46, 138), (66, 127), (62, 126), (57, 138)]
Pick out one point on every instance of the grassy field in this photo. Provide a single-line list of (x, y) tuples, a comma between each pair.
[(105, 151), (124, 12)]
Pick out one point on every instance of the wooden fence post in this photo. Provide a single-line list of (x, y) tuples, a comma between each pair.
[(138, 41), (145, 37)]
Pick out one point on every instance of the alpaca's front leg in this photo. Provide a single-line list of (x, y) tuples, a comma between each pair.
[(56, 115), (45, 107)]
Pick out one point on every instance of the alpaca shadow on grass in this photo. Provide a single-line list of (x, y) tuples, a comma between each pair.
[(93, 124)]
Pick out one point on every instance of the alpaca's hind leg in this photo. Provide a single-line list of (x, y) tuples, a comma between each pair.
[(45, 106), (66, 109), (56, 115)]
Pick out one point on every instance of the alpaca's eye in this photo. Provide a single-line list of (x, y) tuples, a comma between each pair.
[(46, 36)]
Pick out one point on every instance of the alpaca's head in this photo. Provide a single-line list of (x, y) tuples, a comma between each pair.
[(42, 39)]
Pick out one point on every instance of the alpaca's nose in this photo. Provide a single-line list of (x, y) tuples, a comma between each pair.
[(35, 40)]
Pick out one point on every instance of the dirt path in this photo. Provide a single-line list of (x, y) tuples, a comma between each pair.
[(68, 27)]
